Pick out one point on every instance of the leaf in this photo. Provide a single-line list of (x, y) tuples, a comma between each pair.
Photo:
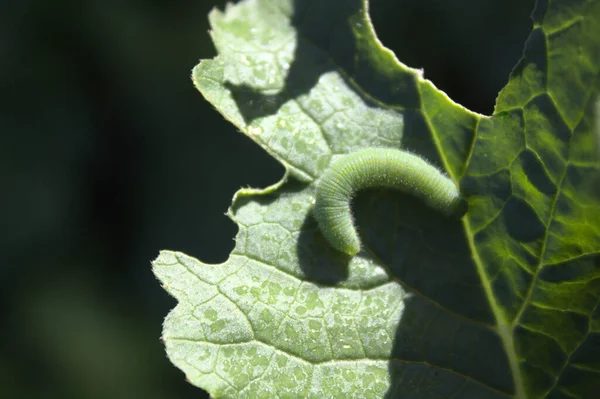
[(501, 304)]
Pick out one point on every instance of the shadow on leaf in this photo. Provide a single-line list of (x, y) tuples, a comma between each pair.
[(340, 43)]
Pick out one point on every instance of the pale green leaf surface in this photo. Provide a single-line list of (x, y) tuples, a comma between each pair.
[(501, 304)]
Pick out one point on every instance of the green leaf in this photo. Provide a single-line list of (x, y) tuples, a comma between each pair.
[(502, 304)]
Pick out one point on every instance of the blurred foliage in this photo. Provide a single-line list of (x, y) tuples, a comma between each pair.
[(109, 154)]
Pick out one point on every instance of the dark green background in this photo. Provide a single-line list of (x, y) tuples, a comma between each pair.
[(109, 154)]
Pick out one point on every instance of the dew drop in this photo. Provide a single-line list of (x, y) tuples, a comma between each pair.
[(241, 290), (314, 325), (255, 130)]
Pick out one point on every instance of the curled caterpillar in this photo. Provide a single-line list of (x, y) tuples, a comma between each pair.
[(378, 167)]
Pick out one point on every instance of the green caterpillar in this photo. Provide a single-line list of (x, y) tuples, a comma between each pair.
[(378, 167)]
